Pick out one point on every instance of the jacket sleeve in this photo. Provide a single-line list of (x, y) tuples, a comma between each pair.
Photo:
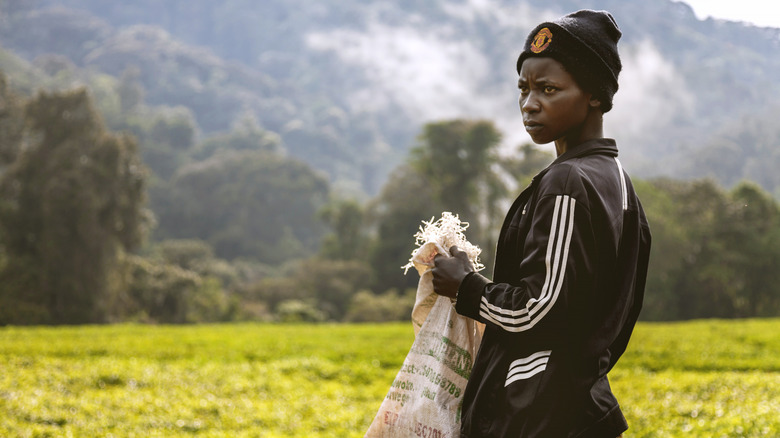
[(553, 264)]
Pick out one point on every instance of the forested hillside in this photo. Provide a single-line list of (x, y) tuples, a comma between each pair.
[(348, 84), (272, 160)]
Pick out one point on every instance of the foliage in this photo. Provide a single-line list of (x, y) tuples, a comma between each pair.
[(156, 68), (158, 293), (299, 311), (230, 380), (237, 110), (460, 160), (453, 168), (330, 284), (11, 125), (182, 281), (73, 200), (744, 149), (366, 306), (353, 112), (72, 207), (130, 91), (197, 256), (246, 135), (238, 192), (698, 379), (396, 214), (714, 253), (526, 162), (167, 293), (255, 204), (349, 238)]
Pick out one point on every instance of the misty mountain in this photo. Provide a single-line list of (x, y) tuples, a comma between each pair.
[(347, 85)]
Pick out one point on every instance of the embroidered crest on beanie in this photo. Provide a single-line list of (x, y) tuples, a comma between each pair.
[(541, 41)]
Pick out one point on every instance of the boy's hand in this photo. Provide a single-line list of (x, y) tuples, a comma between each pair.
[(449, 272)]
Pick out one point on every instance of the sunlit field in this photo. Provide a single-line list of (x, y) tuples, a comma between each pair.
[(695, 379)]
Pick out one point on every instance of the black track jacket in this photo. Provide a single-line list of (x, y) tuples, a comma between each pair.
[(567, 289)]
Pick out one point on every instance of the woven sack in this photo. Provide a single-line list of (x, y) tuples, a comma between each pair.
[(426, 397)]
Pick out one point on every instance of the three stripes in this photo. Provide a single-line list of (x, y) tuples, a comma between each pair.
[(555, 261)]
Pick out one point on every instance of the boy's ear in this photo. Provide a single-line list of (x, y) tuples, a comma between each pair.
[(594, 102)]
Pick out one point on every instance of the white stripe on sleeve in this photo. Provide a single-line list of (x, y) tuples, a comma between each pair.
[(561, 229)]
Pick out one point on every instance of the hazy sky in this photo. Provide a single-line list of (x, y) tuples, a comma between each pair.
[(758, 12)]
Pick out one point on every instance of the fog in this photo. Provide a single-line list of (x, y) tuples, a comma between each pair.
[(432, 75)]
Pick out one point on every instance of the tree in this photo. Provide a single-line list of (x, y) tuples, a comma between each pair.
[(396, 215), (257, 204), (366, 306), (527, 161), (327, 284), (73, 201), (745, 149), (167, 134), (130, 91), (670, 241), (11, 133), (348, 239), (333, 283), (299, 311), (715, 254), (454, 167), (702, 281), (750, 232), (460, 160), (162, 292), (246, 135), (11, 124), (174, 128), (197, 256)]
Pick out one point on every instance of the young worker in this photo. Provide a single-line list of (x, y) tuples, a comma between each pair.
[(571, 258)]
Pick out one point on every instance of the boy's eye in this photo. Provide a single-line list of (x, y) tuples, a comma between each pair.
[(523, 89), (549, 89)]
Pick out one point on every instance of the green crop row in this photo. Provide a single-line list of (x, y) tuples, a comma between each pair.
[(695, 379)]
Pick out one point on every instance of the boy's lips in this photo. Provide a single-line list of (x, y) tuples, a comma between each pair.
[(531, 125)]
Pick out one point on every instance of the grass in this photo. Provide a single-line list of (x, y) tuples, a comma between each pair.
[(693, 379)]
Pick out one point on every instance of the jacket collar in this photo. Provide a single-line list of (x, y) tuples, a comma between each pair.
[(606, 146)]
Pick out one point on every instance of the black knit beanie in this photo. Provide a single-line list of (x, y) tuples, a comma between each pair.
[(585, 42)]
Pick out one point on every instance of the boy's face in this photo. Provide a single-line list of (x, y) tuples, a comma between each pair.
[(553, 104)]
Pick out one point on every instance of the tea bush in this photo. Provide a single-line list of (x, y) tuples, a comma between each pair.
[(692, 379)]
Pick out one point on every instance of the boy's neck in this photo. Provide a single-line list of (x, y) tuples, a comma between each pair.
[(592, 128)]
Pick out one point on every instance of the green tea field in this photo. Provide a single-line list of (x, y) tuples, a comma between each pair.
[(693, 379)]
